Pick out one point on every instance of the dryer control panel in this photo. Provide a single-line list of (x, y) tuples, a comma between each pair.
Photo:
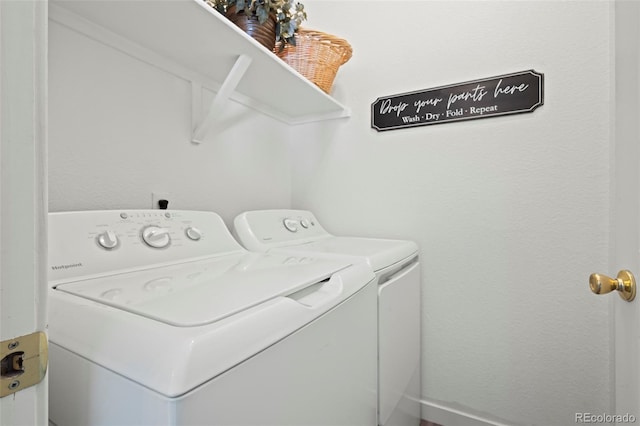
[(262, 229), (90, 243)]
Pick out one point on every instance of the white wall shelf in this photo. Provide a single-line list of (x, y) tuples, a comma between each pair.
[(193, 37)]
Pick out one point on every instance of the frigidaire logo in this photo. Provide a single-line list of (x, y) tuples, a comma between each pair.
[(69, 266)]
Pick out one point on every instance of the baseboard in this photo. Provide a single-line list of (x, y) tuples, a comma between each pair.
[(448, 416)]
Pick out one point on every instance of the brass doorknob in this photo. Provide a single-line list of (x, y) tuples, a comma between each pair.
[(625, 283)]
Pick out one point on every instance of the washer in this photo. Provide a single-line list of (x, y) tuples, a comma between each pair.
[(162, 318), (397, 269)]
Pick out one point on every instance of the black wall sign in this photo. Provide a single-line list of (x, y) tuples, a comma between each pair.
[(490, 97)]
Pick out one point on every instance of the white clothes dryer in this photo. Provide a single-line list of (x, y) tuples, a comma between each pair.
[(396, 265), (161, 318)]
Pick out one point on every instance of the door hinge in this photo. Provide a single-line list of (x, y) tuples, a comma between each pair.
[(23, 362)]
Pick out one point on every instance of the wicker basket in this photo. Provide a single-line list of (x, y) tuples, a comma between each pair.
[(316, 55)]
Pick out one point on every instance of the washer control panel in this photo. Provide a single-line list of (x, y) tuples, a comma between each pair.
[(293, 224), (95, 242), (156, 230), (261, 229)]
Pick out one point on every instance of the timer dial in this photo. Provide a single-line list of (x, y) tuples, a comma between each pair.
[(156, 237), (290, 224)]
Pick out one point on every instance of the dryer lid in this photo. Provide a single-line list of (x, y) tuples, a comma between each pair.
[(202, 292), (378, 253)]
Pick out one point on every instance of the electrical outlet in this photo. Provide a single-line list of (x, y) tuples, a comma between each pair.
[(156, 197)]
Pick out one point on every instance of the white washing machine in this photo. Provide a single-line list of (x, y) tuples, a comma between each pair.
[(396, 265), (162, 318)]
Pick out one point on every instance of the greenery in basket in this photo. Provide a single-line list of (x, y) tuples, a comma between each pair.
[(289, 14)]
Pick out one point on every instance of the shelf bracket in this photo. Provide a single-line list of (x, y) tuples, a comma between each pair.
[(202, 126)]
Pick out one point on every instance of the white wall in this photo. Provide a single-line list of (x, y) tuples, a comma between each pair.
[(511, 213), (121, 128)]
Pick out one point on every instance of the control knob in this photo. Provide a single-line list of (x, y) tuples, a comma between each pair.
[(108, 240), (290, 224), (193, 233), (156, 237)]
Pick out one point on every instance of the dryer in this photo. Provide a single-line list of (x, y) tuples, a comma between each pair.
[(397, 269), (162, 318)]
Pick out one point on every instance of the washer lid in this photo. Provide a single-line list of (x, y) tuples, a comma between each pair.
[(379, 253), (198, 293)]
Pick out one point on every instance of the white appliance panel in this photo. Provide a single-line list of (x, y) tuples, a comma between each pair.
[(329, 358), (261, 230), (399, 342), (347, 342), (264, 230), (202, 292), (149, 311), (75, 251), (174, 360), (395, 263)]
